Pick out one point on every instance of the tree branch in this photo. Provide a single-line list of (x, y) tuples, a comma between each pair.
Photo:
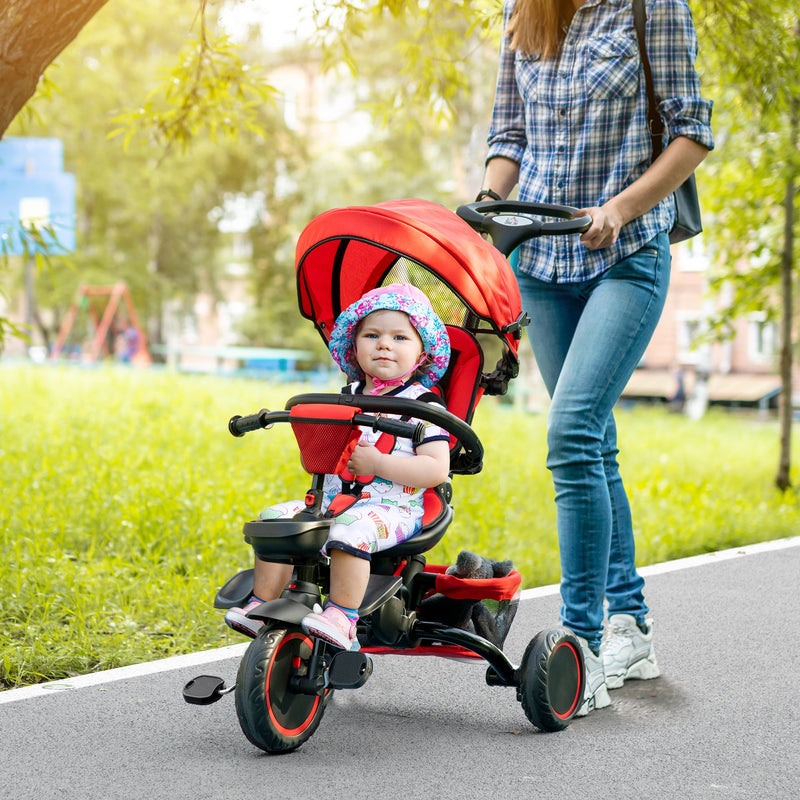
[(32, 34)]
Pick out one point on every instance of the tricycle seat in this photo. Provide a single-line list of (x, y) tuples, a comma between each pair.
[(286, 539), (293, 539)]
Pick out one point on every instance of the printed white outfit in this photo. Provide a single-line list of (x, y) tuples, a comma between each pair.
[(387, 513)]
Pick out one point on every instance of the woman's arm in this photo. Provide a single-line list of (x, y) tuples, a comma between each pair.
[(430, 466), (663, 177), (501, 175), (672, 48)]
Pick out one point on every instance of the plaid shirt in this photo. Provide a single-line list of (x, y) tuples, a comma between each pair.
[(577, 124)]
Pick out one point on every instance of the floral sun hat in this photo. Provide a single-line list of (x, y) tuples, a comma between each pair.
[(394, 297)]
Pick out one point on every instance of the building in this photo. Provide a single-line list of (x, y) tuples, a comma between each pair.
[(741, 371)]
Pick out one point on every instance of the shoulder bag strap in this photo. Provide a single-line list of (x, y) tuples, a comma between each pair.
[(654, 121)]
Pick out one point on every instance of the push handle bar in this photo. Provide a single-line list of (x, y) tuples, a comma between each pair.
[(509, 223)]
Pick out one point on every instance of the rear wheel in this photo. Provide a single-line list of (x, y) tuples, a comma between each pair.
[(552, 679), (272, 715)]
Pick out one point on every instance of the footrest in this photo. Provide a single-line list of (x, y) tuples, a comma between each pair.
[(349, 670), (236, 591), (379, 589)]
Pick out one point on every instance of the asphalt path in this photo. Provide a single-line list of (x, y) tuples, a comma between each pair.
[(723, 721)]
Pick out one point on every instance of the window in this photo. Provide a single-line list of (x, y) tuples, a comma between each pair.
[(689, 329), (762, 337), (692, 256)]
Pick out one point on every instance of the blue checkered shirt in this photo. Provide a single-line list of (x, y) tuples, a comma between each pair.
[(577, 124)]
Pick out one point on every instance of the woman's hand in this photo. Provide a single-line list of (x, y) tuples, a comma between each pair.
[(606, 225), (661, 178)]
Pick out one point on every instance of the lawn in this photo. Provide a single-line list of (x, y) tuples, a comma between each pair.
[(124, 494)]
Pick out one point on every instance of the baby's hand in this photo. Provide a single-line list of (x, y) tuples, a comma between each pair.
[(365, 459)]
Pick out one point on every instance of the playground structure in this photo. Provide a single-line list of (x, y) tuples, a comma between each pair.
[(108, 307)]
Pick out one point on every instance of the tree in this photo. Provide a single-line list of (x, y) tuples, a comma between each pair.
[(158, 232), (144, 211), (211, 92), (752, 184), (32, 34)]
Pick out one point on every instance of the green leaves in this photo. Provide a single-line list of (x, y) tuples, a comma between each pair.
[(438, 48), (210, 90), (754, 47), (750, 58)]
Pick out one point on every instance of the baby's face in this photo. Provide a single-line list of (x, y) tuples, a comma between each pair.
[(387, 345)]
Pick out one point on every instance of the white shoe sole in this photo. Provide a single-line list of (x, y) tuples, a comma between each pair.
[(321, 630), (243, 624), (644, 670), (599, 699)]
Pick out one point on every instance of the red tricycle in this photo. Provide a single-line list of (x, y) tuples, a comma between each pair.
[(286, 677)]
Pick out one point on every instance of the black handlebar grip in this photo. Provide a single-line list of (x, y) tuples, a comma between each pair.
[(396, 427), (405, 430), (239, 426)]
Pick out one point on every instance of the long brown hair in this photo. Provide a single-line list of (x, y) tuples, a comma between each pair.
[(538, 27)]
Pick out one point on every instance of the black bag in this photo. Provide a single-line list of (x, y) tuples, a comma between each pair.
[(687, 206)]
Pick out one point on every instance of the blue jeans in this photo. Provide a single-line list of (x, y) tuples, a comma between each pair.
[(588, 338)]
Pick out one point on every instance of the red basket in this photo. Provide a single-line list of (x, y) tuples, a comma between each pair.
[(470, 589), (325, 447), (506, 588)]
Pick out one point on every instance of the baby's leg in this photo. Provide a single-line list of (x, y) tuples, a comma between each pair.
[(349, 579), (363, 529), (269, 578), (352, 538), (337, 623)]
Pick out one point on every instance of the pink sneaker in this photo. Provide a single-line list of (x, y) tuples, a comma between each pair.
[(237, 619), (332, 626)]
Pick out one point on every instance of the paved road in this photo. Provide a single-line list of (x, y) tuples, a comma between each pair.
[(723, 721)]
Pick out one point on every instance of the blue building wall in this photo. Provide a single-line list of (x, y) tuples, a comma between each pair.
[(32, 174)]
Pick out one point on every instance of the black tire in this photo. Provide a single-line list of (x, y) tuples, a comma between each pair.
[(272, 716), (552, 679)]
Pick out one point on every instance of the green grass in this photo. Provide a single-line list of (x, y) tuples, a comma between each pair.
[(124, 495)]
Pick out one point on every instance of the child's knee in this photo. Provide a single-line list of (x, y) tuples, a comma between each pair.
[(281, 510)]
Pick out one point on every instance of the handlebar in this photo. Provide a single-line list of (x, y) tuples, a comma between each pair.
[(509, 223), (239, 425), (467, 459)]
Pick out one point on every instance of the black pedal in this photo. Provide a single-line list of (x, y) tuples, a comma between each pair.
[(349, 670), (204, 690)]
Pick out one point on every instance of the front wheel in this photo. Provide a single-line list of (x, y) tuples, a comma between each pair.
[(552, 679), (273, 716)]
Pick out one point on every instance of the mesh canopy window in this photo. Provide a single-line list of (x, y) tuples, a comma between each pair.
[(448, 306)]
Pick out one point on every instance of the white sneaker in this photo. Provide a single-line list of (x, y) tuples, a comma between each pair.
[(627, 652), (595, 695)]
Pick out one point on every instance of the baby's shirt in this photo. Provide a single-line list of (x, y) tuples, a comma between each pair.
[(381, 490)]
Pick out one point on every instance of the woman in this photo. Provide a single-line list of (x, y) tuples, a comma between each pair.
[(569, 125)]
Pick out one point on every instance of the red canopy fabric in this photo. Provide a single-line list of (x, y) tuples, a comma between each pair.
[(346, 251)]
